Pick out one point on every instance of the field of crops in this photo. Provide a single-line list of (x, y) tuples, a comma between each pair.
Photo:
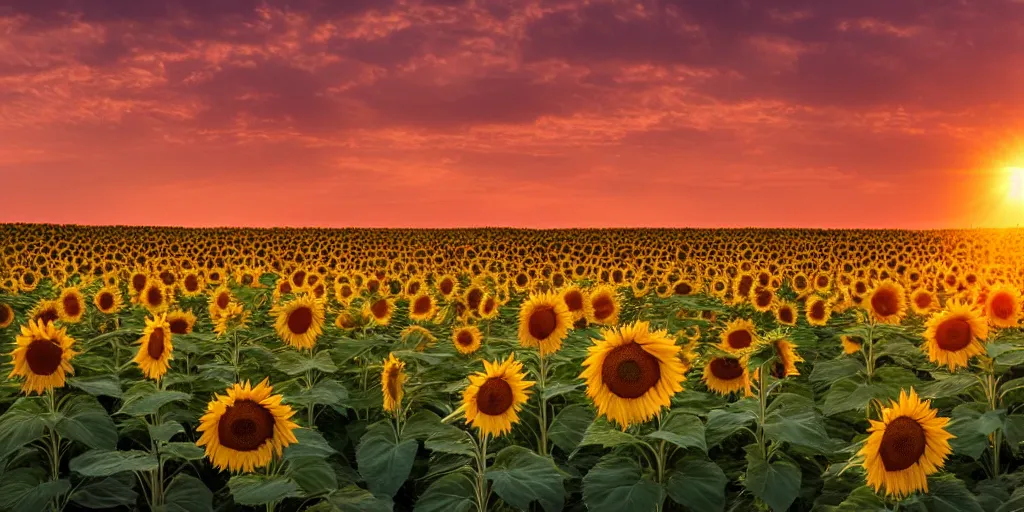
[(495, 369)]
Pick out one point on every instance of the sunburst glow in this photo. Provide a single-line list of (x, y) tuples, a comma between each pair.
[(1015, 184)]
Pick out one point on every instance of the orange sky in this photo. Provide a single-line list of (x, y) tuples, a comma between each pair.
[(536, 113)]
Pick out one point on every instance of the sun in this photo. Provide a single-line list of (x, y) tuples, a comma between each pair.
[(1015, 184)]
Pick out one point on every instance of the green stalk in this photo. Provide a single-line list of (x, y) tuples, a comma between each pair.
[(543, 403), (481, 478), (762, 398)]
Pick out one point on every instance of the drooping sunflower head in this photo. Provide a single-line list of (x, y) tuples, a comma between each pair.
[(418, 336), (887, 302), (1003, 306), (181, 322), (488, 307), (155, 348), (818, 311), (604, 306), (633, 372), (851, 345), (108, 300), (467, 339), (738, 336), (6, 315), (910, 443), (954, 336), (42, 357), (392, 382), (245, 428), (785, 313), (345, 321), (495, 396), (577, 302), (544, 322), (785, 361), (300, 321), (71, 305), (726, 375), (422, 307), (45, 311), (379, 310)]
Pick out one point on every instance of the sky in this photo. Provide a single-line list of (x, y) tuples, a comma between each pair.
[(533, 113)]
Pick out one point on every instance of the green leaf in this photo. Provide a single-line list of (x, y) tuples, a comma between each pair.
[(998, 348), (722, 424), (356, 499), (569, 425), (310, 444), (151, 403), (255, 490), (835, 370), (25, 489), (1014, 504), (111, 462), (560, 389), (862, 499), (682, 430), (450, 440), (847, 395), (616, 484), (100, 385), (87, 422), (314, 475), (454, 492), (188, 494), (798, 426), (384, 462), (952, 385), (422, 425), (20, 425), (601, 433), (777, 483), (969, 439), (165, 431), (519, 476), (183, 451), (325, 392), (293, 362), (1011, 358), (111, 492), (947, 493), (698, 485), (1013, 430)]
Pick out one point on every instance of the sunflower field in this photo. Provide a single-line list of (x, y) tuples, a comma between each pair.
[(498, 369)]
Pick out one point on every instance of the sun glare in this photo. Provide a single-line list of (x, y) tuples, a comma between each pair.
[(1015, 184)]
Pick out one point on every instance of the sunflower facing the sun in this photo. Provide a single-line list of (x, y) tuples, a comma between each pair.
[(954, 336), (632, 373), (245, 428), (155, 348), (495, 396), (726, 375), (300, 321), (544, 321), (738, 336), (466, 339), (42, 357)]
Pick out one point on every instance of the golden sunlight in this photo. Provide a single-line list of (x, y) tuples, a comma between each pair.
[(1015, 184)]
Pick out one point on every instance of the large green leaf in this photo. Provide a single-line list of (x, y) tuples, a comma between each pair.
[(20, 425), (617, 483), (1015, 503), (799, 426), (422, 425), (698, 485), (722, 424), (325, 392), (294, 362), (454, 492), (355, 499), (384, 462), (967, 427), (310, 444), (87, 422), (100, 385), (777, 483), (1013, 430), (601, 433), (683, 430), (152, 402), (314, 475), (947, 493), (27, 489), (835, 370), (255, 490), (567, 429), (183, 451), (165, 431), (519, 476), (847, 395), (450, 440), (110, 462), (862, 499), (111, 492), (947, 386), (188, 494)]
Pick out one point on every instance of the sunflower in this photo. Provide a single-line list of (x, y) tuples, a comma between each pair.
[(155, 350), (604, 306), (887, 302), (467, 339), (108, 300), (392, 380), (851, 345), (154, 296), (220, 299), (421, 337), (299, 321), (726, 374), (245, 428), (495, 396), (345, 321), (577, 302), (1003, 306), (379, 310), (785, 313), (45, 311), (181, 322), (488, 307), (235, 316), (952, 336), (786, 358), (422, 307), (6, 315), (738, 336), (344, 292), (191, 284), (818, 311), (447, 286), (42, 357), (544, 321), (71, 305), (633, 372), (762, 298), (910, 443)]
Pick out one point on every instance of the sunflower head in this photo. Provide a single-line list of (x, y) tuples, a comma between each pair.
[(1003, 306), (467, 339), (422, 307), (851, 345), (923, 301), (299, 322), (155, 348), (155, 296), (604, 306), (6, 315), (786, 357), (108, 300), (379, 310), (577, 302), (181, 322), (544, 321), (418, 336), (45, 311), (954, 336), (245, 428), (392, 382), (887, 302), (495, 396), (633, 372), (71, 305), (785, 313), (818, 311), (42, 357), (726, 375), (738, 336), (908, 444)]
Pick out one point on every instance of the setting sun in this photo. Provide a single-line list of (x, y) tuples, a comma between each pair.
[(1015, 183)]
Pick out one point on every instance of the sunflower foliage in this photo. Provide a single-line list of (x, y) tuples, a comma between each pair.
[(605, 370)]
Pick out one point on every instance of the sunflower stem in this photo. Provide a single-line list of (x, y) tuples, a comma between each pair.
[(762, 398), (991, 393), (542, 377), (869, 360), (481, 476)]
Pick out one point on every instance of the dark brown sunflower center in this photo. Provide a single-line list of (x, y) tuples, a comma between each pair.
[(48, 315), (860, 288), (902, 444), (604, 306), (179, 326), (379, 308), (726, 368), (953, 334), (800, 282), (822, 281), (300, 320), (629, 371), (191, 283), (740, 339), (494, 397), (373, 285), (299, 278), (786, 315), (683, 289), (414, 287), (71, 306), (421, 306), (154, 296), (246, 279), (44, 357), (489, 305), (138, 282), (464, 338), (346, 291), (474, 297), (574, 300), (542, 322), (5, 313), (818, 310), (1002, 306), (106, 301), (394, 386), (285, 288), (223, 299), (746, 282), (155, 347), (522, 279), (447, 286), (763, 298), (884, 302), (245, 426), (923, 300)]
